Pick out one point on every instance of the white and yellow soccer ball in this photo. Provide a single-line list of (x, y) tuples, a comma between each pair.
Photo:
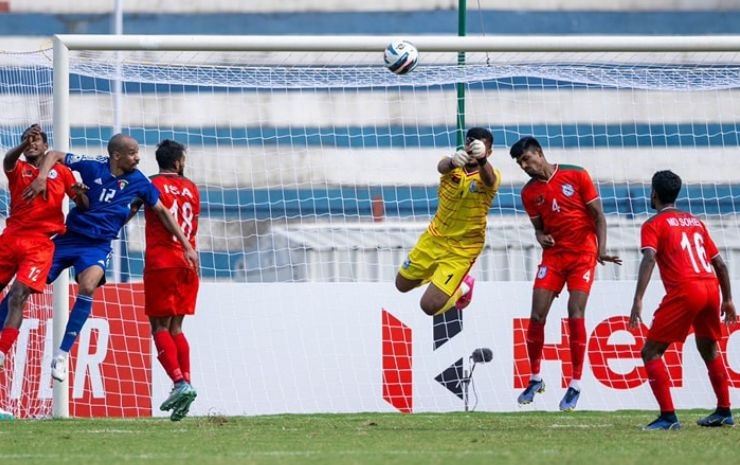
[(401, 56)]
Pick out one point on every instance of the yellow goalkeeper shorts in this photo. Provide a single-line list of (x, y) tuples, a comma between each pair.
[(433, 260)]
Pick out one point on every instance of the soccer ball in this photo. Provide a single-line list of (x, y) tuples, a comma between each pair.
[(401, 56)]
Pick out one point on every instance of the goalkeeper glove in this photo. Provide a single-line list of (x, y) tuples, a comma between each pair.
[(460, 158), (477, 149)]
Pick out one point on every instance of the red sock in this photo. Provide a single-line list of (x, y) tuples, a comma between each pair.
[(718, 377), (7, 338), (660, 383), (535, 341), (183, 354), (577, 328), (167, 355)]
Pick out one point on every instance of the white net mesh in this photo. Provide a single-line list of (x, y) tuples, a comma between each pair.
[(320, 168)]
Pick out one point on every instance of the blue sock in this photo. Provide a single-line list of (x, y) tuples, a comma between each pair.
[(77, 318), (4, 310)]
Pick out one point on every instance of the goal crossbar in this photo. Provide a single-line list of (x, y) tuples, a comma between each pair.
[(495, 43)]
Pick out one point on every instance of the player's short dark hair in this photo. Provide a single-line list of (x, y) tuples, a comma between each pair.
[(168, 152), (525, 144), (117, 143), (480, 134), (43, 135), (666, 185)]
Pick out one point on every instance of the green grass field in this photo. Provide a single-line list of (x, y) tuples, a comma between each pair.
[(467, 438)]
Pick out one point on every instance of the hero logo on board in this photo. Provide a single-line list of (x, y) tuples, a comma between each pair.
[(615, 365)]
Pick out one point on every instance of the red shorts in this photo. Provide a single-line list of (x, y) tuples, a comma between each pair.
[(27, 257), (558, 269), (695, 303), (170, 291)]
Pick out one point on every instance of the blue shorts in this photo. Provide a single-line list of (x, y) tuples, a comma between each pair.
[(80, 252)]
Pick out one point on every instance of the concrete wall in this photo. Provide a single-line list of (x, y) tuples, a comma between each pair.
[(594, 18)]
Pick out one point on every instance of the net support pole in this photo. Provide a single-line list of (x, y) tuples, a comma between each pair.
[(460, 86), (119, 262), (60, 391)]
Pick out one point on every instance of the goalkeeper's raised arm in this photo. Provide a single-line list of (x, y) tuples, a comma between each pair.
[(473, 157), (479, 152)]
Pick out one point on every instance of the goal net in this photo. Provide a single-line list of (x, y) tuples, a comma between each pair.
[(317, 173)]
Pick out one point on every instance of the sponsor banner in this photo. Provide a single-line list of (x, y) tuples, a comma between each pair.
[(344, 347), (110, 366), (25, 381)]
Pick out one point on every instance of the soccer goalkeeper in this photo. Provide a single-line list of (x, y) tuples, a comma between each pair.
[(447, 250)]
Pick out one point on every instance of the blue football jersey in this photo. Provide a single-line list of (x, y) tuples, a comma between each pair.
[(110, 196)]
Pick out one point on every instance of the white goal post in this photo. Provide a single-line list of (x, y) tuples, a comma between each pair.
[(593, 45)]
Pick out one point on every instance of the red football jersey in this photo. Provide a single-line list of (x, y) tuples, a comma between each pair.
[(180, 196), (683, 248), (39, 215), (561, 204)]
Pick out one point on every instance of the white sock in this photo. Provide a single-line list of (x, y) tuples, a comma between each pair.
[(537, 377), (61, 353), (576, 384)]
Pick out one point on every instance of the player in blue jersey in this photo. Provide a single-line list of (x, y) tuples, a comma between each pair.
[(114, 183)]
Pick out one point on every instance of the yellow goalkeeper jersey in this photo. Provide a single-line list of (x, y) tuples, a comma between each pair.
[(464, 201)]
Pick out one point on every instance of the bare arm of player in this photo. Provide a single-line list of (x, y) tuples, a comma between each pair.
[(487, 175), (135, 207), (545, 240), (169, 222), (12, 155), (643, 279), (597, 213), (446, 165), (723, 274), (479, 152), (38, 186), (80, 196)]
